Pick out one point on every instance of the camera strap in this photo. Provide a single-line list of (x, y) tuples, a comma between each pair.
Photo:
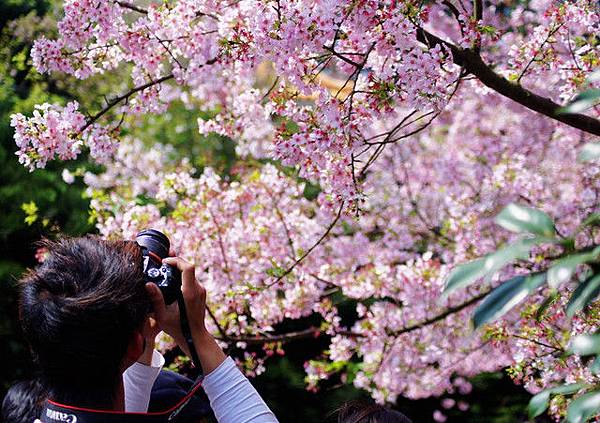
[(54, 412), (186, 331)]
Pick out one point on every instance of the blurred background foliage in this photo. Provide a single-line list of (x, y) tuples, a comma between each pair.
[(39, 204)]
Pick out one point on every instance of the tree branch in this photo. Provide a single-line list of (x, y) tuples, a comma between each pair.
[(112, 103), (441, 316), (314, 332), (478, 10), (325, 234), (120, 98), (472, 62), (311, 332), (131, 6)]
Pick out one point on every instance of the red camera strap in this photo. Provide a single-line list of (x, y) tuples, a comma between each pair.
[(54, 412)]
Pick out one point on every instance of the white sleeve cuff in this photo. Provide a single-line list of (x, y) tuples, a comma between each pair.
[(138, 380), (158, 361)]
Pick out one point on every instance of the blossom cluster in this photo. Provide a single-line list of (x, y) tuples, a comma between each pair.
[(211, 49), (59, 132), (47, 134)]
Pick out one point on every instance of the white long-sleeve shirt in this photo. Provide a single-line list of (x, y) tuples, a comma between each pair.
[(232, 397), (138, 380)]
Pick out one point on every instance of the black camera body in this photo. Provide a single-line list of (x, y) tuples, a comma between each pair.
[(155, 246)]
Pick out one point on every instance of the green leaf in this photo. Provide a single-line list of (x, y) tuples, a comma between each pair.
[(562, 270), (591, 220), (30, 220), (585, 344), (595, 367), (465, 274), (31, 214), (548, 301), (29, 208), (540, 402), (584, 407), (589, 152), (584, 294), (275, 271), (582, 101), (521, 219), (505, 297)]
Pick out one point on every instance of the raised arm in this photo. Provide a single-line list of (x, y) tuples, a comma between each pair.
[(232, 397)]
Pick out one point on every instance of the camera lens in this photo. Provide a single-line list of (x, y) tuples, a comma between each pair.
[(155, 241)]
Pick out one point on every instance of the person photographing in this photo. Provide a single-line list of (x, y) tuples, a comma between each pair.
[(85, 312)]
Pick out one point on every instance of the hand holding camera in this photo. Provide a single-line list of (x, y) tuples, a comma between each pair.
[(178, 300)]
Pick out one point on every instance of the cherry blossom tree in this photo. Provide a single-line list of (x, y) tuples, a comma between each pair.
[(418, 121)]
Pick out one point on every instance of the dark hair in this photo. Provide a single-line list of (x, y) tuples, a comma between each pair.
[(79, 310), (362, 412), (23, 402)]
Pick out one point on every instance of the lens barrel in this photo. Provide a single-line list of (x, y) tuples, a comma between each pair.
[(155, 241)]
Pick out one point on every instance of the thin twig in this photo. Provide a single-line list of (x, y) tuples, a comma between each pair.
[(112, 103), (120, 98), (299, 260)]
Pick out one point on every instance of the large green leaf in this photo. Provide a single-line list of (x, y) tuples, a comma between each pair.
[(464, 274), (562, 270), (584, 294), (582, 101), (467, 273), (540, 402), (589, 152), (505, 297), (521, 219), (584, 407), (585, 344)]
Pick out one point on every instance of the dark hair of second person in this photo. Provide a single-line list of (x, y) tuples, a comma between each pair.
[(23, 402), (362, 412)]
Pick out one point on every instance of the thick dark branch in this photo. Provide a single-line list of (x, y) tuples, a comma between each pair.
[(452, 8), (131, 6), (342, 57), (478, 9), (474, 64)]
